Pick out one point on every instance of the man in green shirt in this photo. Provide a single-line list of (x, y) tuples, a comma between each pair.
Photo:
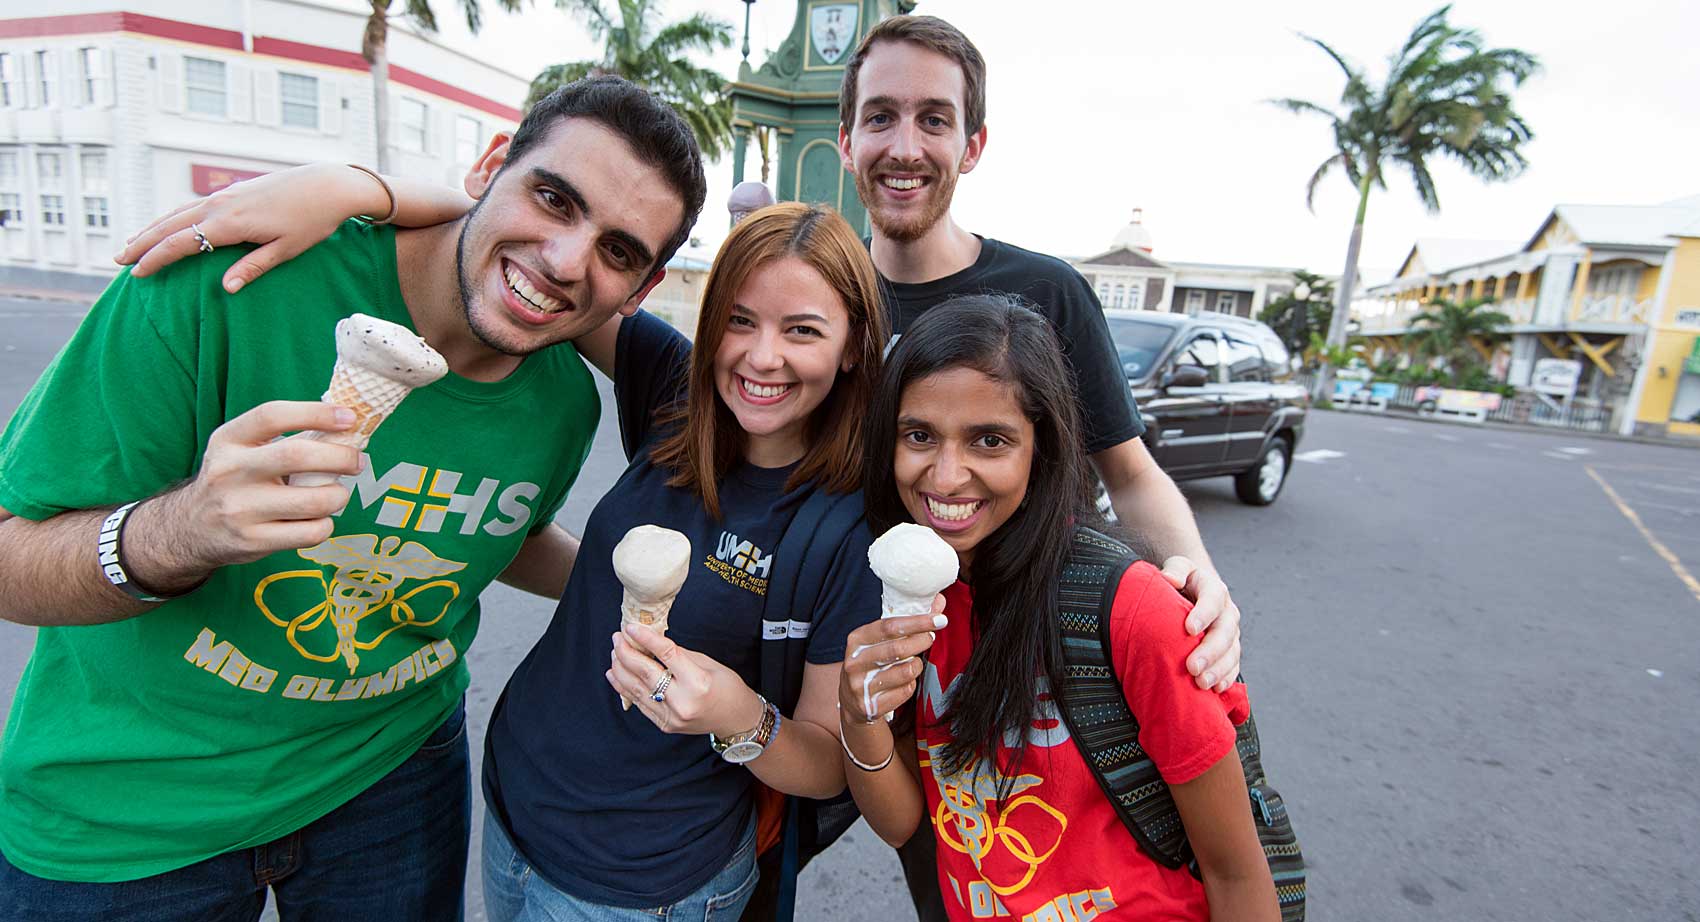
[(238, 683)]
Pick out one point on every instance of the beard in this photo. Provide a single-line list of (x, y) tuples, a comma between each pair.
[(475, 320), (904, 228)]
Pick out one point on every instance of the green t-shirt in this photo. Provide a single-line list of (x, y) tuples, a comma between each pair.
[(282, 688)]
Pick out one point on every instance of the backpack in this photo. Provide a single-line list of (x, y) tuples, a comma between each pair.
[(1096, 712), (794, 586)]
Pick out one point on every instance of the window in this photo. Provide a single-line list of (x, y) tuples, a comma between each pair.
[(1194, 301), (1245, 362), (467, 135), (5, 79), (204, 81), (1103, 293), (1275, 356), (1121, 292), (89, 63), (50, 176), (11, 200), (300, 97), (44, 79), (1225, 302), (53, 210), (411, 116), (1203, 352), (1135, 296), (97, 186)]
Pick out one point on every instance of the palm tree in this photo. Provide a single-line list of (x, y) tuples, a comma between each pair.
[(374, 47), (653, 56), (1445, 94), (1448, 330)]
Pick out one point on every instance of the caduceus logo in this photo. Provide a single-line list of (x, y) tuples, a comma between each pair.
[(366, 578)]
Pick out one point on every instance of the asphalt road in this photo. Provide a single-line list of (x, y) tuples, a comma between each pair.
[(1473, 656)]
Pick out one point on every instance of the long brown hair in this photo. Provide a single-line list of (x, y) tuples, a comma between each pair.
[(709, 441)]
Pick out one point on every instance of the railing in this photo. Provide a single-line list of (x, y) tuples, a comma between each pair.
[(1617, 308), (1527, 408), (1520, 310)]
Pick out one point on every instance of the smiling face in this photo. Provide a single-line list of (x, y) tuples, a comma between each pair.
[(964, 455), (562, 238), (906, 144), (782, 349)]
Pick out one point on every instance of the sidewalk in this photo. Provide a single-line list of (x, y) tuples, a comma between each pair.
[(1403, 414)]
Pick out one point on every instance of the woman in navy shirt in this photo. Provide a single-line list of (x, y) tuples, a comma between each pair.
[(596, 812)]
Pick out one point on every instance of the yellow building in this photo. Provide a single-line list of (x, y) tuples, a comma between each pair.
[(1616, 287)]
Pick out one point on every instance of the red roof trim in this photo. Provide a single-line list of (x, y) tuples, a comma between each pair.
[(94, 23)]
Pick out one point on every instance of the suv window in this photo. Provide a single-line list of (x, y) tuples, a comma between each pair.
[(1275, 356), (1138, 343), (1244, 361), (1204, 352)]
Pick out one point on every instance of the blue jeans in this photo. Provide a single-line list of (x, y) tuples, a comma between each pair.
[(396, 851), (515, 892)]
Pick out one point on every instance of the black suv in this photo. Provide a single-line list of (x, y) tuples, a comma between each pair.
[(1217, 394)]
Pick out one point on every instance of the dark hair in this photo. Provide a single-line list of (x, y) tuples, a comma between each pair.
[(656, 133), (708, 440), (934, 34), (1016, 569)]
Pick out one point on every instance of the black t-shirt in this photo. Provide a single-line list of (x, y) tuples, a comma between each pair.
[(1059, 292), (604, 805)]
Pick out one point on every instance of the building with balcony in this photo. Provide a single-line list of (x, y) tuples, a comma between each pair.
[(1128, 277), (110, 118), (1615, 287)]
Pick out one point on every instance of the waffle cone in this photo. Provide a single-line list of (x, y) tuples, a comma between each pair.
[(649, 612)]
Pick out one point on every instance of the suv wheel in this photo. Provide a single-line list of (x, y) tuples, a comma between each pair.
[(1102, 499), (1262, 482)]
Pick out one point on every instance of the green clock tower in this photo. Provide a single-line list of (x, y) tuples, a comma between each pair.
[(788, 108)]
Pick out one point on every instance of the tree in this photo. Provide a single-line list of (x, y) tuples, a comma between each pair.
[(1445, 95), (1295, 319), (1447, 330), (635, 46), (374, 47)]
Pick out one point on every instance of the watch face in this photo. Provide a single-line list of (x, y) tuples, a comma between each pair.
[(739, 753)]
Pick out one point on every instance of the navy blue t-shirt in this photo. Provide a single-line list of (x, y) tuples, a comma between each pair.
[(604, 805)]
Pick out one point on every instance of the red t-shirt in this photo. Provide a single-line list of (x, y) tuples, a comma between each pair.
[(1055, 851)]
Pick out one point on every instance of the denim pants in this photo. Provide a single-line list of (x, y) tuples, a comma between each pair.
[(396, 851), (514, 892)]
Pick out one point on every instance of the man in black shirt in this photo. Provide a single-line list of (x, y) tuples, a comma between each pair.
[(912, 110)]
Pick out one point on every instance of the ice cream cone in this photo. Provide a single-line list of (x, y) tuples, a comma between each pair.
[(378, 363), (651, 563)]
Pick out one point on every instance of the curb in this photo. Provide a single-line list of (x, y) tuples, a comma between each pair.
[(49, 294), (1405, 415)]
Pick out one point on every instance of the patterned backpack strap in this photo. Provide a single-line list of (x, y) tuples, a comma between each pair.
[(1094, 707)]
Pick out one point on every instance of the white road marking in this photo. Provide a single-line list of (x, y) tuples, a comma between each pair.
[(1446, 438), (1656, 673), (1558, 456), (1394, 429), (1667, 487), (1577, 451), (1318, 455), (1499, 445)]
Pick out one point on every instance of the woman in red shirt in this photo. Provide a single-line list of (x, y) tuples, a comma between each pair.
[(975, 435)]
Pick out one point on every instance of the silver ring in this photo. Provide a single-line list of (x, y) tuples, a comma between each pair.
[(201, 239), (660, 693)]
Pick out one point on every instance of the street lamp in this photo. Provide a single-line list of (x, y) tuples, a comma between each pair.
[(747, 5), (1301, 314)]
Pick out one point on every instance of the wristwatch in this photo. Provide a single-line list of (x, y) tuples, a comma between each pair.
[(740, 748)]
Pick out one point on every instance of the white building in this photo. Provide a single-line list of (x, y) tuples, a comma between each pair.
[(1128, 277), (110, 118)]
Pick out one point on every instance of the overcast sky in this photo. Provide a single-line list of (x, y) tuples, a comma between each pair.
[(1098, 106)]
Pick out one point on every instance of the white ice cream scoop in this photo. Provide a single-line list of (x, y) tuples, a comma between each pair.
[(914, 564), (652, 563), (377, 364)]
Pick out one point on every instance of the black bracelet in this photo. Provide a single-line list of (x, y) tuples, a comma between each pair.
[(111, 553)]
